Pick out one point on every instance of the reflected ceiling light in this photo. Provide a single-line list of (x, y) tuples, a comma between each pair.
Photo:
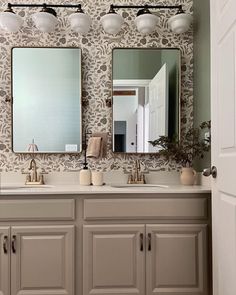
[(112, 22), (145, 21), (80, 22), (45, 20), (180, 22), (10, 21)]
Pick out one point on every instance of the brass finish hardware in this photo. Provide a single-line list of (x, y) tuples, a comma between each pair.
[(13, 244), (33, 178), (141, 242), (136, 176), (149, 241), (5, 244), (33, 167)]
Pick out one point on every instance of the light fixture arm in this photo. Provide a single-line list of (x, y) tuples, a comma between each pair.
[(43, 5), (147, 6)]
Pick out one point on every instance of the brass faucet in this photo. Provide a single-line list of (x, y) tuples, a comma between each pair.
[(33, 178), (136, 176)]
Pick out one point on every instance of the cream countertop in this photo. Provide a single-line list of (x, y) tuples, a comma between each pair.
[(72, 189), (67, 183)]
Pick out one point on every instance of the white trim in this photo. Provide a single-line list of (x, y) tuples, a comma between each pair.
[(138, 83)]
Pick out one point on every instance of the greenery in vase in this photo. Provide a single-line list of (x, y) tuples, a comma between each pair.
[(186, 149)]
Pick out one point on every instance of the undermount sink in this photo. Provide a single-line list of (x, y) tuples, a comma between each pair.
[(138, 185), (15, 187)]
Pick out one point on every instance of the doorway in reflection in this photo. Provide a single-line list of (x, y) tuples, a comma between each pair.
[(145, 97)]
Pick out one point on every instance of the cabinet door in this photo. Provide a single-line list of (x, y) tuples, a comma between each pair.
[(176, 260), (114, 259), (4, 261), (42, 260)]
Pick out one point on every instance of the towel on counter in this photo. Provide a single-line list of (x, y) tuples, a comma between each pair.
[(97, 145)]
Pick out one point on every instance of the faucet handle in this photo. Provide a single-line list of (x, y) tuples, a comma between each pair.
[(41, 178), (130, 179), (28, 177), (138, 164), (143, 178)]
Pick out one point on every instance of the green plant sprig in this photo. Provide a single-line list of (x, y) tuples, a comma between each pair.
[(186, 149)]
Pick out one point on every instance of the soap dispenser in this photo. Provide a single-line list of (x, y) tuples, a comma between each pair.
[(85, 175)]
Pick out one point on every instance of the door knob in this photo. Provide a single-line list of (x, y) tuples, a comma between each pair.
[(210, 171)]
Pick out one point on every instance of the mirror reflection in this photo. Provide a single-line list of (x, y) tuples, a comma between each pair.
[(146, 90), (46, 95)]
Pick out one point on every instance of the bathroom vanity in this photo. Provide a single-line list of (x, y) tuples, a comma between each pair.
[(105, 240)]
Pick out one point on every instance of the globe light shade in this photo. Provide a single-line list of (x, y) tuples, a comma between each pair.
[(80, 22), (112, 22), (45, 21), (180, 23), (146, 23), (11, 22)]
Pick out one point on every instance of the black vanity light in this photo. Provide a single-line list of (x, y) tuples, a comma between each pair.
[(145, 21), (46, 19)]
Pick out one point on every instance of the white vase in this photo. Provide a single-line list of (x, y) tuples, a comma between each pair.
[(187, 176)]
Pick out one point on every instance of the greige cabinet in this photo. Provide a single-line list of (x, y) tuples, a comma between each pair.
[(146, 246), (37, 260), (176, 261), (152, 244), (145, 259), (114, 259), (4, 261)]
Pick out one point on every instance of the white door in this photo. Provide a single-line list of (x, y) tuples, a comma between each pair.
[(158, 105), (223, 74)]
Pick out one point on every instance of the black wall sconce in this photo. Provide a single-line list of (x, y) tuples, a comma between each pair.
[(46, 19), (145, 21)]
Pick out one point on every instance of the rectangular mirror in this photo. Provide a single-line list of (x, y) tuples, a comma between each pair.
[(46, 100), (146, 95)]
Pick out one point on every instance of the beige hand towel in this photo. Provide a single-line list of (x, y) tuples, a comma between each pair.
[(94, 147), (103, 150), (97, 141)]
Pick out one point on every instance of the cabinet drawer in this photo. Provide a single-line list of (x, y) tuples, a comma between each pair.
[(63, 209), (168, 208)]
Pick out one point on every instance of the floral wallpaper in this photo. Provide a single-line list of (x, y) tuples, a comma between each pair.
[(96, 67)]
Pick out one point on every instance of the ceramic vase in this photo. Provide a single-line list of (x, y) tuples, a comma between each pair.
[(187, 176)]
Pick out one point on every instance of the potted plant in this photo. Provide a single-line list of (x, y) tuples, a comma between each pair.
[(183, 151)]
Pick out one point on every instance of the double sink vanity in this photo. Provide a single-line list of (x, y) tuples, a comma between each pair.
[(111, 239), (65, 239)]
